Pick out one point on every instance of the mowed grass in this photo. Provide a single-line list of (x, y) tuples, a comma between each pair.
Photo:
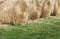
[(48, 28)]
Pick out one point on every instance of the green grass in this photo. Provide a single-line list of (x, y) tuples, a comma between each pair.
[(49, 28)]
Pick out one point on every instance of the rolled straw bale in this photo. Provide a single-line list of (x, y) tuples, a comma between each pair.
[(34, 9), (46, 9), (6, 11), (21, 12), (56, 11)]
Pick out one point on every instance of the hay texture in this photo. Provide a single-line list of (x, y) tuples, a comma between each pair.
[(21, 11)]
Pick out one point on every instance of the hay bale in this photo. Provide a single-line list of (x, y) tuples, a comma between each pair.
[(6, 11), (34, 9), (21, 12), (32, 13), (57, 8), (46, 9), (38, 8)]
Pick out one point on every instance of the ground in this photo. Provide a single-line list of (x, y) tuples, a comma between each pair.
[(48, 28)]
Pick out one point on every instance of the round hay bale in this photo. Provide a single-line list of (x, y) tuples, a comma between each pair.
[(46, 9), (21, 12), (6, 11)]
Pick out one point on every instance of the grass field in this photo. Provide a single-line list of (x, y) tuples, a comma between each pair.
[(48, 28)]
